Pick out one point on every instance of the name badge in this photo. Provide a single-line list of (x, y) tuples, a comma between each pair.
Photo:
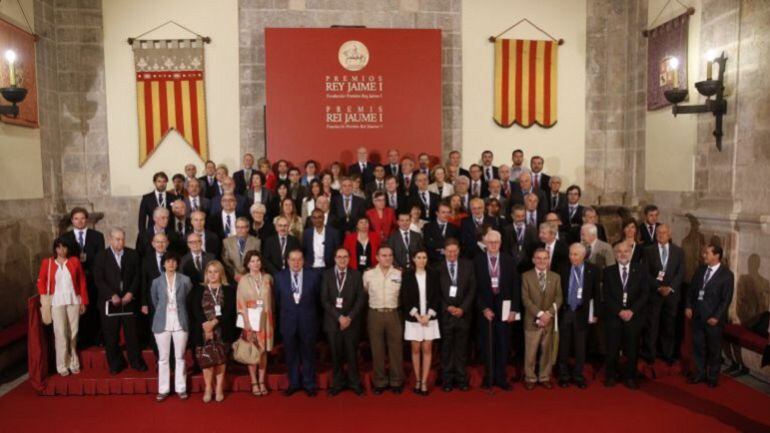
[(495, 282), (362, 260), (625, 299), (260, 303), (661, 274), (339, 303), (580, 293), (296, 298), (396, 280), (217, 310), (452, 291), (701, 293)]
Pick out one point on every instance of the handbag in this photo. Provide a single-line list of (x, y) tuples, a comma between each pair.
[(211, 354), (46, 301), (246, 352)]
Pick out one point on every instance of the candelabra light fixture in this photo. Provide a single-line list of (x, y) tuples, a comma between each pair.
[(13, 93)]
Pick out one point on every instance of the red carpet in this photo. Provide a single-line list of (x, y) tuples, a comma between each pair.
[(667, 404)]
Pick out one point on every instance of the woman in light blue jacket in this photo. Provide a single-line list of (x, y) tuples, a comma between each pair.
[(169, 297)]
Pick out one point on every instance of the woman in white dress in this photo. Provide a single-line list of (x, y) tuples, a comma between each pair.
[(421, 301)]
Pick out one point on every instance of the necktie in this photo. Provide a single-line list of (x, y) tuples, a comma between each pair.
[(81, 240), (706, 277), (160, 199), (363, 166), (651, 230), (228, 226), (241, 246), (118, 257), (425, 198), (489, 173), (379, 184), (159, 258), (347, 206), (571, 212), (340, 278), (573, 286), (664, 256), (179, 227), (531, 218), (588, 251), (442, 227), (392, 200), (394, 169), (452, 271), (519, 233), (198, 264), (541, 280), (554, 201), (195, 204), (475, 187), (406, 240), (211, 180), (283, 244), (407, 181), (549, 249), (295, 286), (624, 277)]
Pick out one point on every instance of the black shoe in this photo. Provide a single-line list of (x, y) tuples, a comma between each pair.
[(378, 390), (358, 391), (114, 371), (609, 382), (632, 384), (564, 382), (311, 392), (139, 367), (712, 383), (396, 389), (581, 384), (693, 380), (447, 388), (331, 392), (504, 386), (288, 392), (733, 368), (464, 387), (740, 371)]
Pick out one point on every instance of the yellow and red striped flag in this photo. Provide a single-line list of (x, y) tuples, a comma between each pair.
[(170, 94), (525, 82)]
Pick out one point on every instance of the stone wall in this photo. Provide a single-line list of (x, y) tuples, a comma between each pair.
[(255, 15)]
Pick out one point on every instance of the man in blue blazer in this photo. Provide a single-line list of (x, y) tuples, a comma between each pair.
[(320, 242), (297, 296)]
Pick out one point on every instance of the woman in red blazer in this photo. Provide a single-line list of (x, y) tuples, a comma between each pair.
[(381, 218), (362, 245), (64, 280), (270, 180)]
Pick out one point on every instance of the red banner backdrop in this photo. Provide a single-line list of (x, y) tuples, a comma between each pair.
[(330, 91)]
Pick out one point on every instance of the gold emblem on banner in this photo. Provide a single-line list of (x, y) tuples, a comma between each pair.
[(353, 55)]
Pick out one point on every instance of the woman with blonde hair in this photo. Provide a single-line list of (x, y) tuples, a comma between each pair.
[(441, 184), (288, 210)]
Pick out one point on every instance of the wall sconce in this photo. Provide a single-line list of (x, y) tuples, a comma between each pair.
[(13, 93), (707, 88)]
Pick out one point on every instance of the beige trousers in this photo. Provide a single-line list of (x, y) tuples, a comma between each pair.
[(542, 340), (65, 330)]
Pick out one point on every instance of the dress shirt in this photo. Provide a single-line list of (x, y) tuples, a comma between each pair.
[(64, 291), (172, 314), (318, 248), (232, 222), (383, 287)]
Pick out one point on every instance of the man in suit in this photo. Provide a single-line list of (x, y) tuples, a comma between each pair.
[(473, 227), (320, 242), (598, 253), (455, 160), (506, 183), (423, 165), (708, 300), (85, 244), (346, 207), (194, 200), (297, 191), (650, 225), (180, 223), (376, 184), (458, 291), (234, 249), (157, 198), (242, 177), (435, 233), (394, 198), (222, 220), (160, 217), (518, 237), (477, 186), (498, 285), (424, 199), (117, 278), (393, 167), (259, 193), (362, 167), (210, 242), (541, 300), (209, 183), (404, 242), (227, 186), (323, 204), (555, 200), (626, 291), (555, 219), (524, 187), (517, 164), (297, 295), (540, 180), (534, 210), (665, 268), (558, 252), (195, 261), (406, 177), (572, 214), (580, 283), (275, 251), (190, 172), (344, 302), (462, 184), (152, 268), (590, 216), (489, 171), (495, 191)]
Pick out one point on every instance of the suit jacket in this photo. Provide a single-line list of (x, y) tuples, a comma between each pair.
[(402, 184), (299, 317), (484, 189), (214, 223), (402, 256), (544, 184), (601, 255), (389, 170), (509, 285), (144, 242), (512, 245), (354, 299), (347, 223), (241, 206), (637, 288), (204, 204), (466, 289), (232, 257), (717, 294), (366, 176), (535, 300), (212, 243), (187, 266), (469, 234), (371, 187), (268, 200), (272, 257), (428, 212), (147, 207), (113, 279), (558, 261), (495, 173), (93, 246), (209, 190), (561, 202), (435, 239), (242, 183), (648, 239), (382, 226), (226, 320), (517, 197), (409, 296), (402, 202), (150, 271), (575, 221), (674, 271), (159, 297), (591, 280), (331, 242)]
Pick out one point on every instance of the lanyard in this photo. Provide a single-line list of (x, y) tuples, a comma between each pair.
[(453, 275), (578, 277), (216, 304), (340, 285), (493, 270), (257, 284)]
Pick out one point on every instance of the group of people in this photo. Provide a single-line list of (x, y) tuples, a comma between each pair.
[(489, 260)]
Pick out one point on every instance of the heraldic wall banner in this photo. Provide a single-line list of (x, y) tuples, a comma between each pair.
[(525, 82), (170, 93)]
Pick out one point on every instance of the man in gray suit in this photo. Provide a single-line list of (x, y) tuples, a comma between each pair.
[(194, 200), (665, 266), (404, 242), (598, 253), (343, 300), (235, 247)]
